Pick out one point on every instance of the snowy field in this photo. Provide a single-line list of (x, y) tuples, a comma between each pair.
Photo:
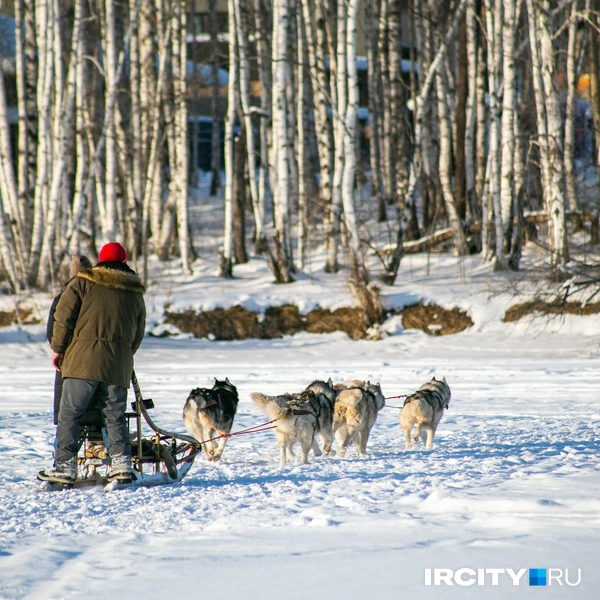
[(513, 480)]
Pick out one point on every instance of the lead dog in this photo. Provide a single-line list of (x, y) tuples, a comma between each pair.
[(296, 420), (209, 413), (424, 409), (356, 408)]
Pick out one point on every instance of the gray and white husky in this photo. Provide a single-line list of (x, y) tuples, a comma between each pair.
[(356, 408), (209, 413), (424, 409), (325, 396), (296, 420)]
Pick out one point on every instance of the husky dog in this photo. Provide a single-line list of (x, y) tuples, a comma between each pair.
[(297, 420), (325, 395), (424, 409), (356, 408), (209, 413)]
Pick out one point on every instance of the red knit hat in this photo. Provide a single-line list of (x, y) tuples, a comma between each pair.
[(113, 251)]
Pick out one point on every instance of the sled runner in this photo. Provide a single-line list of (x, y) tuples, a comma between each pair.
[(161, 458)]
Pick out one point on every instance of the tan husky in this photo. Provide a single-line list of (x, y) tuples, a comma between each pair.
[(356, 408), (424, 409)]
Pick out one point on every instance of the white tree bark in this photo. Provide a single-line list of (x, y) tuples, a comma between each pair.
[(44, 32), (302, 230), (549, 126), (227, 252), (569, 158), (65, 113), (8, 199), (321, 95), (181, 134), (110, 229), (281, 143), (262, 28), (507, 199), (25, 148), (339, 112), (349, 138), (244, 68), (493, 15), (471, 114)]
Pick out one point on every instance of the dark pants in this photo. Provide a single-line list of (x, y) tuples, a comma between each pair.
[(76, 397)]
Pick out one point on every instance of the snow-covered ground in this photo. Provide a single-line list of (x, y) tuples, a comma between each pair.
[(513, 481)]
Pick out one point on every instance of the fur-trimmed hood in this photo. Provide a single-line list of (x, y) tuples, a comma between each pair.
[(116, 279)]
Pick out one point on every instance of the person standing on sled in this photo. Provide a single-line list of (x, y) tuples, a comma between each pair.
[(99, 324)]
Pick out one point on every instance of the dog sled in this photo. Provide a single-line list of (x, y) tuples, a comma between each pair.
[(159, 457)]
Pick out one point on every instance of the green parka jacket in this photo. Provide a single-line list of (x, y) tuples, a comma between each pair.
[(99, 324)]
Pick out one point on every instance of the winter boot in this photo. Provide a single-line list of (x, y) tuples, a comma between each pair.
[(64, 471), (120, 469)]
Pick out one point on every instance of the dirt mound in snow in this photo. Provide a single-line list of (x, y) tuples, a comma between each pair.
[(237, 323), (435, 320), (16, 317), (518, 311)]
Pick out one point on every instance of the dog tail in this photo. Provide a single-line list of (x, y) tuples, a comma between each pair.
[(259, 399), (266, 404)]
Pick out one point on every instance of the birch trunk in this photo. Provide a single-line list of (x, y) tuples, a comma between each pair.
[(507, 199), (594, 65), (471, 116), (244, 70), (181, 135), (215, 145), (569, 159), (320, 93), (349, 145), (549, 127), (493, 14), (137, 158), (44, 145), (458, 233), (110, 230), (25, 147), (263, 26), (482, 121), (301, 121), (281, 143), (63, 120), (81, 148), (374, 86), (339, 111), (8, 200), (226, 266)]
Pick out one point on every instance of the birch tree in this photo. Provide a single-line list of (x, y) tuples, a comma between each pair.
[(549, 126), (226, 259)]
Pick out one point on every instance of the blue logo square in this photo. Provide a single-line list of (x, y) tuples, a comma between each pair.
[(537, 577)]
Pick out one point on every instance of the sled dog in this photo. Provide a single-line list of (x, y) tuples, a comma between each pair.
[(297, 420), (325, 396), (356, 408), (209, 413), (424, 409)]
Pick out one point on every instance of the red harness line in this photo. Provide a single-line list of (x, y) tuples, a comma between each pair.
[(255, 429)]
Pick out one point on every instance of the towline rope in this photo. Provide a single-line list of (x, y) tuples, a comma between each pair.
[(392, 397), (254, 429)]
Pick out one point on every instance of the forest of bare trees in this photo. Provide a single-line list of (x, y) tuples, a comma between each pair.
[(474, 121)]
